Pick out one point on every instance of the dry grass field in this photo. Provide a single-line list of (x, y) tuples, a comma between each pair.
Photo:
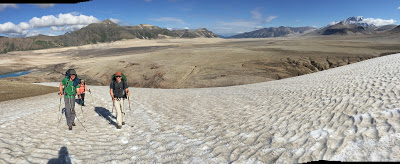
[(14, 90)]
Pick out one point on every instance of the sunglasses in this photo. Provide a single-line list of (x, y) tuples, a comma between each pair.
[(72, 74), (118, 76)]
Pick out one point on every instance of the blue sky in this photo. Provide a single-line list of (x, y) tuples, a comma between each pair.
[(223, 17)]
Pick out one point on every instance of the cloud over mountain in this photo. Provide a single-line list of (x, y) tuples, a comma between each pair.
[(62, 20), (59, 23), (378, 21), (365, 21)]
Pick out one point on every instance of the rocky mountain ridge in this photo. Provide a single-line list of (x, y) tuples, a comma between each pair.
[(105, 31)]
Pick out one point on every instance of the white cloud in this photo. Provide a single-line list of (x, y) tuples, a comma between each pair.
[(75, 13), (256, 14), (238, 23), (3, 6), (169, 19), (24, 26), (62, 20), (243, 25), (61, 23), (8, 27), (117, 21), (378, 21), (44, 5), (398, 7), (186, 28), (34, 33), (11, 28), (270, 18)]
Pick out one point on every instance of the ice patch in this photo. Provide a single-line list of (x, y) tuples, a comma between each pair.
[(134, 148), (205, 147), (124, 140), (318, 134)]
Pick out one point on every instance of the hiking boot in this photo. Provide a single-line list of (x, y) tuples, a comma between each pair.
[(119, 127), (73, 124), (70, 127), (123, 123)]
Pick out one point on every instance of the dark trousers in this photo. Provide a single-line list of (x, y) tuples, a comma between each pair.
[(82, 101), (70, 109)]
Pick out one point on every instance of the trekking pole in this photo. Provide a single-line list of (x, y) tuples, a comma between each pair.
[(59, 108), (112, 110), (81, 124), (82, 111), (129, 102), (70, 105), (91, 97)]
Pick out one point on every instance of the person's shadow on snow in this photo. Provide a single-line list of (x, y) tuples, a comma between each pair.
[(106, 114), (63, 157), (78, 101)]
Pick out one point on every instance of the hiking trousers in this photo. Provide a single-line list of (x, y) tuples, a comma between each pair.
[(119, 107), (70, 109), (82, 100)]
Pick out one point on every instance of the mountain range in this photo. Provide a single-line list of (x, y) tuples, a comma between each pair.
[(105, 31), (275, 32), (352, 26), (349, 26)]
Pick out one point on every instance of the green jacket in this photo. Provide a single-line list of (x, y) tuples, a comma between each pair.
[(70, 90)]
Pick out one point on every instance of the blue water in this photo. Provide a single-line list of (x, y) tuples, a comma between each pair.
[(15, 74)]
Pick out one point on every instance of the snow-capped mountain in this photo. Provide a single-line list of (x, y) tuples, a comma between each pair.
[(359, 21)]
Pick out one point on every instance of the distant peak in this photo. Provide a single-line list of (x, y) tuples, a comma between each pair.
[(107, 21), (201, 29), (146, 25), (358, 20)]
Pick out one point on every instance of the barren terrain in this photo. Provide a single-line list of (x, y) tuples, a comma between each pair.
[(194, 63)]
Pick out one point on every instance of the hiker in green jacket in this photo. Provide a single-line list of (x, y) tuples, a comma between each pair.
[(69, 87)]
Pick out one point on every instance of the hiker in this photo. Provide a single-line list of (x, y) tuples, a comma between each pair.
[(119, 91), (82, 89), (69, 87)]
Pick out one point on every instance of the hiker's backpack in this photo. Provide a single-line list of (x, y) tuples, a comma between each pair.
[(76, 80), (123, 80)]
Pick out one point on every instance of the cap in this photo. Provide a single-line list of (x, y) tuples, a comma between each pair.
[(72, 72), (118, 74)]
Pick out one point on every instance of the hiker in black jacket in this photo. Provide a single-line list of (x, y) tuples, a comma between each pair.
[(119, 92)]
